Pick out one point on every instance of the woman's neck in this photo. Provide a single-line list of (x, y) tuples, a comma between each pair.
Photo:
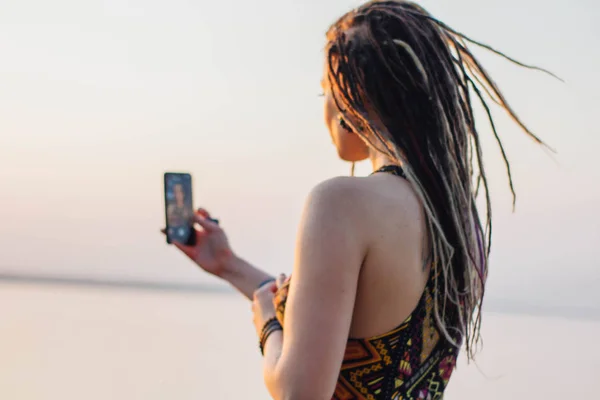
[(379, 160)]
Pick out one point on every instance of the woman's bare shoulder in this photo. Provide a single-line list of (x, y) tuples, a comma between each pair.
[(368, 200)]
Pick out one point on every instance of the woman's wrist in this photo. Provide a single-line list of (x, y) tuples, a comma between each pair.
[(229, 266), (269, 328)]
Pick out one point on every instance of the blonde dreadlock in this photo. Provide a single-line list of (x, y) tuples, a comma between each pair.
[(391, 61)]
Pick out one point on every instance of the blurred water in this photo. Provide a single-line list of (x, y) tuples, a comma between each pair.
[(74, 342)]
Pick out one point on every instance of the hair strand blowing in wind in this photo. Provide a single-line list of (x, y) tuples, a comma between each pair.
[(408, 80)]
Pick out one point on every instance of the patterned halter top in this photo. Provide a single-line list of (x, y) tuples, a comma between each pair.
[(411, 362)]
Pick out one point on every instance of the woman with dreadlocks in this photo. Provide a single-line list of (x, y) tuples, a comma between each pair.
[(390, 269)]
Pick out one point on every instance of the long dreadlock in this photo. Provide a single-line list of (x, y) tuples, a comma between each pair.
[(407, 79)]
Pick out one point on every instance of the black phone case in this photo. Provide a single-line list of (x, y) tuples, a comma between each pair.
[(192, 238)]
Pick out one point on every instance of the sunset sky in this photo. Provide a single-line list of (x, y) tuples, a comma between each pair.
[(99, 98)]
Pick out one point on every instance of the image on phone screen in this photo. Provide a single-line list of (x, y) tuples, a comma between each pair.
[(179, 208)]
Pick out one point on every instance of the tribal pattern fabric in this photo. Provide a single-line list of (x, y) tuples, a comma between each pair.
[(411, 362)]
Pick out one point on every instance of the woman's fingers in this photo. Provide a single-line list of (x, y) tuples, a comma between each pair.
[(265, 290), (202, 212), (206, 223), (280, 280), (202, 218), (199, 234)]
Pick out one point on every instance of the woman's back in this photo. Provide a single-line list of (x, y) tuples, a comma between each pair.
[(395, 349), (394, 271)]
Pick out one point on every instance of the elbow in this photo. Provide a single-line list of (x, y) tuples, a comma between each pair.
[(302, 394), (297, 386)]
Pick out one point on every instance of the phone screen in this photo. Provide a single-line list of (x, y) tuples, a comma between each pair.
[(179, 210)]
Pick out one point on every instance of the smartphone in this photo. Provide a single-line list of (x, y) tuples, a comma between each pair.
[(179, 212)]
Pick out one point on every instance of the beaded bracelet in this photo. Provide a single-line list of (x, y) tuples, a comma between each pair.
[(268, 333), (271, 324), (269, 327)]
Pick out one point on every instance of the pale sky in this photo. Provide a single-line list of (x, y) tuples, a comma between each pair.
[(99, 98)]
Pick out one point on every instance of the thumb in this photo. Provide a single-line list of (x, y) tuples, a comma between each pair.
[(280, 280)]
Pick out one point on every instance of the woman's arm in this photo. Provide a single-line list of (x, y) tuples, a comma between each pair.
[(304, 361), (213, 254), (243, 276)]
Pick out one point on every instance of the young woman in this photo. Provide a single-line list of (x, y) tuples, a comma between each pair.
[(390, 269)]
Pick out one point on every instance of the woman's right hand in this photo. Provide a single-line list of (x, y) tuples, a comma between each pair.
[(211, 252)]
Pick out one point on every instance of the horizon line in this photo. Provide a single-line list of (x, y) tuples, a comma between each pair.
[(51, 280), (494, 305)]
